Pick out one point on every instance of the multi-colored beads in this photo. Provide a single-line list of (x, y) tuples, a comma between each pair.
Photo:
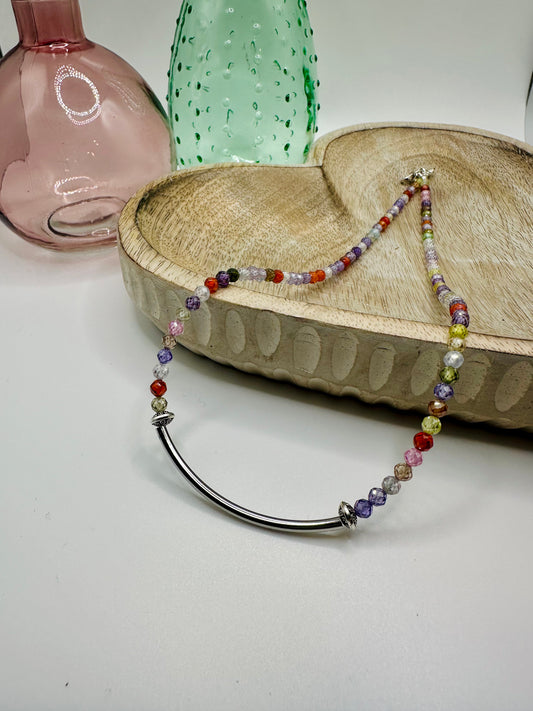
[(453, 359)]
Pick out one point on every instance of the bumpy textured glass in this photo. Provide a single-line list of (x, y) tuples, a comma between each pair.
[(81, 130), (242, 82)]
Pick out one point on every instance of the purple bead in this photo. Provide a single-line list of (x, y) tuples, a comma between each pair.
[(461, 317), (436, 278), (357, 252), (442, 289), (367, 241), (363, 508), (340, 266), (223, 279), (443, 391), (377, 227), (399, 204), (164, 355), (306, 278), (377, 496), (192, 303), (426, 203)]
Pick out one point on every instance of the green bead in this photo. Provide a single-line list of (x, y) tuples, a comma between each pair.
[(431, 425), (427, 234), (458, 331), (183, 314), (233, 274), (426, 213), (159, 404), (448, 374)]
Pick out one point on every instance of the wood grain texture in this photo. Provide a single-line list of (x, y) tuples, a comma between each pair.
[(376, 332)]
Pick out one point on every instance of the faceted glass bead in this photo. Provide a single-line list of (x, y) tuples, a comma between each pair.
[(363, 508), (377, 496), (160, 371), (423, 441), (432, 425), (448, 374), (458, 331), (438, 408), (233, 274), (159, 404), (462, 318), (183, 314), (403, 472), (175, 328), (202, 292), (164, 355), (192, 303), (454, 359), (443, 391), (457, 306), (224, 280), (169, 341), (211, 284), (413, 457), (456, 344), (391, 485), (158, 388)]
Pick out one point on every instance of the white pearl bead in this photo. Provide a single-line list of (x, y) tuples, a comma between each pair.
[(454, 359), (202, 292), (328, 271)]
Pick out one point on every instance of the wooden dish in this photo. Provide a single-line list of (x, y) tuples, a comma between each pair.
[(376, 332)]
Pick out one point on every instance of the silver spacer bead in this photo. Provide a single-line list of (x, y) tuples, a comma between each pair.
[(419, 173), (162, 419), (347, 515)]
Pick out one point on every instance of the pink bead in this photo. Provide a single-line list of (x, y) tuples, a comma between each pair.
[(413, 457), (175, 328), (425, 195)]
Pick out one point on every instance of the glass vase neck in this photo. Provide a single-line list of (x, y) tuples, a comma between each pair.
[(43, 22)]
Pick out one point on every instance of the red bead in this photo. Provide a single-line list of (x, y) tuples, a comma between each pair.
[(424, 187), (345, 261), (408, 193), (278, 276), (385, 219), (423, 441), (158, 388), (212, 284), (457, 307), (320, 275)]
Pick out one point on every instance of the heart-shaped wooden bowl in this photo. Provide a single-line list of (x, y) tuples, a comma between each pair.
[(376, 331)]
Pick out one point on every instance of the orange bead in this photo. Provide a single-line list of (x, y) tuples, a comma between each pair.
[(278, 276), (212, 284), (158, 388), (457, 307), (314, 277), (320, 275), (345, 261)]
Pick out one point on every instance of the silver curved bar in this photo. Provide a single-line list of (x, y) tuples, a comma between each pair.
[(278, 524)]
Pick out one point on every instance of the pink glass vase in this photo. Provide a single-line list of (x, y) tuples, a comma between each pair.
[(80, 131)]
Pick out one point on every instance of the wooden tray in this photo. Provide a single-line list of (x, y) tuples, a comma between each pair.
[(376, 332)]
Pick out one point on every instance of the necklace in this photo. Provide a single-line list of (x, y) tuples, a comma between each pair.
[(347, 515)]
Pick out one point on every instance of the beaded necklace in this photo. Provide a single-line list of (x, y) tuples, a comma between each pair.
[(348, 515)]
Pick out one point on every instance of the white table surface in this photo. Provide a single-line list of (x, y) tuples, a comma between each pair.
[(120, 589)]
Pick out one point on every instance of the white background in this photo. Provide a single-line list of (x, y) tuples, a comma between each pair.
[(120, 589)]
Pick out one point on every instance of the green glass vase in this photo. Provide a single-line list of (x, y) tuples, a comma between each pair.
[(242, 82)]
